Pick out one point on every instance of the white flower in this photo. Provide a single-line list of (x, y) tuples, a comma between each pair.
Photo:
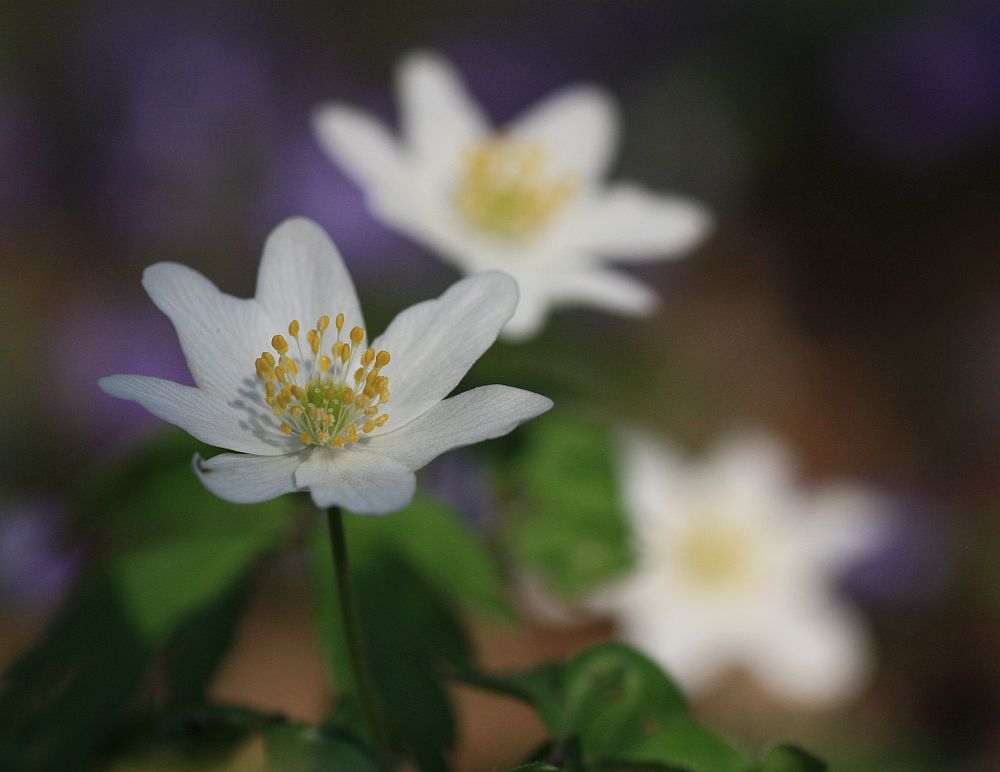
[(316, 414), (527, 199), (736, 568)]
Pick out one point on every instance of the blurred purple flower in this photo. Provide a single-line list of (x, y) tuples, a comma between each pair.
[(463, 483), (925, 90), (36, 565), (302, 181), (915, 560), (91, 339), (188, 100), (27, 172)]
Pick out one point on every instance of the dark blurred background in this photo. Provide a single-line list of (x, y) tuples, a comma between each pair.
[(849, 297)]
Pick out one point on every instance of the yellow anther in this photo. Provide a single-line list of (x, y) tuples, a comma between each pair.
[(269, 389), (268, 357), (336, 348), (296, 412), (306, 438), (380, 421), (338, 441), (382, 359), (369, 427), (289, 364), (286, 428), (347, 395), (323, 323), (359, 374), (360, 400), (322, 437), (345, 353), (339, 322), (352, 433), (357, 335), (324, 363), (371, 411), (293, 328), (384, 395), (299, 393), (313, 337), (279, 373), (368, 357), (279, 343)]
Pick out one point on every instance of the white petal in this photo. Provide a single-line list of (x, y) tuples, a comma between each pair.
[(302, 276), (608, 290), (628, 222), (236, 424), (578, 127), (246, 479), (816, 653), (220, 334), (362, 482), (694, 655), (529, 316), (653, 483), (472, 416), (365, 149), (440, 121), (434, 343)]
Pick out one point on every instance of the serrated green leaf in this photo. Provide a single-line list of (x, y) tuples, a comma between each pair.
[(572, 531), (789, 758), (609, 697)]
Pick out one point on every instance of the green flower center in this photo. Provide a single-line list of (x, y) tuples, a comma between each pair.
[(508, 191)]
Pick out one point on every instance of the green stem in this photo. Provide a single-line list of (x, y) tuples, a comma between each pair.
[(352, 633)]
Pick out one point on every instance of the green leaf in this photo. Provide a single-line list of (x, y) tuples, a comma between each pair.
[(196, 649), (62, 699), (304, 748), (789, 758), (572, 532), (435, 541), (410, 634), (611, 697), (175, 545), (686, 744)]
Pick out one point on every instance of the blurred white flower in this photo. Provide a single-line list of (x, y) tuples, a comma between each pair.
[(527, 198), (736, 567), (313, 414)]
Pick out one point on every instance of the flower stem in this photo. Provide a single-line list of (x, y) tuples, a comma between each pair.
[(352, 634)]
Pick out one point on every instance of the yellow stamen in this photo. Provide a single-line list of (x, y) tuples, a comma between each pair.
[(279, 344), (293, 328)]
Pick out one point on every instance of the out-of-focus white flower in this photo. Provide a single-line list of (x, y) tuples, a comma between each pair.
[(527, 198), (736, 566), (315, 414)]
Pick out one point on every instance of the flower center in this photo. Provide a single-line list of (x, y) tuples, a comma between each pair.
[(507, 189), (715, 555), (325, 398)]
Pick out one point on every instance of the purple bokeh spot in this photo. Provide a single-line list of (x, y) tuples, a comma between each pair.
[(461, 482), (91, 340), (914, 562), (188, 103), (27, 172), (924, 90), (36, 565), (302, 180)]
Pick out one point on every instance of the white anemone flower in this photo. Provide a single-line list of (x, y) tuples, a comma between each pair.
[(312, 411), (736, 569), (527, 198)]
